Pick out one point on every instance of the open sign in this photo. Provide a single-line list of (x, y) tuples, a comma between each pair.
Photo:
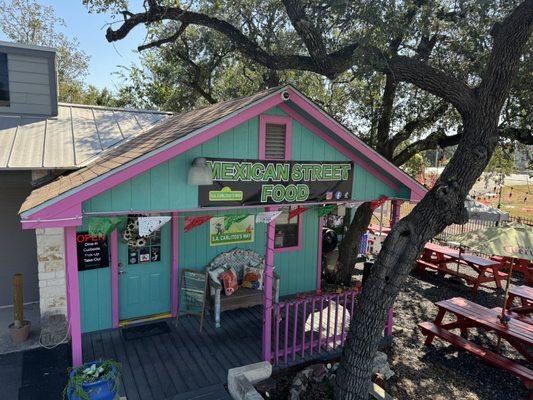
[(92, 251)]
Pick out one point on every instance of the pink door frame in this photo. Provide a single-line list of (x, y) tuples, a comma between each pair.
[(174, 271), (73, 297)]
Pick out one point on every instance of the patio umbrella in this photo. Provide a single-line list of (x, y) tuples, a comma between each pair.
[(509, 239)]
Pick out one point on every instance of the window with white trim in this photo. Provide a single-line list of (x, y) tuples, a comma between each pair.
[(275, 141), (287, 232)]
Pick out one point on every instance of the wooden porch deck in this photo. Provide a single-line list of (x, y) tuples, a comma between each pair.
[(184, 364)]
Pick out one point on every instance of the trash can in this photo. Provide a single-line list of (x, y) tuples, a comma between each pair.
[(368, 265)]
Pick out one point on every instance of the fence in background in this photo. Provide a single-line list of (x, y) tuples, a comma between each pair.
[(313, 325)]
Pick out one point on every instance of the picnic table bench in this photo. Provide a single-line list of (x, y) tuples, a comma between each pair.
[(438, 257), (525, 295), (469, 315)]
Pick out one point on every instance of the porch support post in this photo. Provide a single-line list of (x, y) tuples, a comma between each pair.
[(395, 212), (319, 254), (267, 291), (73, 296), (174, 295), (114, 278)]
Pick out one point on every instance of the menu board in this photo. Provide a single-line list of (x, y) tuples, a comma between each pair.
[(93, 251)]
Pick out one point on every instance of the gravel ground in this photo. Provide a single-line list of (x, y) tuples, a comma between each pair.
[(440, 371)]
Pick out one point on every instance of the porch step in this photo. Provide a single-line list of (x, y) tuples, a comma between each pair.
[(213, 392)]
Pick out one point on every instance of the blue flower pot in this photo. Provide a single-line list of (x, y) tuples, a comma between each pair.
[(99, 390)]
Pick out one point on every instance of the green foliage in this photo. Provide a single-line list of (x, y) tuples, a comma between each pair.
[(202, 66), (29, 22), (97, 371)]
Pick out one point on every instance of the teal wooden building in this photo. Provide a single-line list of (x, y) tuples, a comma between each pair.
[(150, 175)]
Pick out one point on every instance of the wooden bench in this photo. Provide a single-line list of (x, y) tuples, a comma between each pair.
[(237, 258), (443, 270), (523, 373), (512, 314)]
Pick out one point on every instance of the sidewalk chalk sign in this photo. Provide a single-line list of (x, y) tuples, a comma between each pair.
[(193, 288), (228, 230), (259, 182), (92, 251)]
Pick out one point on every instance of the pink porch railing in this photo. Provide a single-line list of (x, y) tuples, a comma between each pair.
[(313, 325)]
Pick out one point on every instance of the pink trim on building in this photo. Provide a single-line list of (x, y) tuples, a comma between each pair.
[(265, 119), (417, 191), (351, 155), (73, 294), (267, 292), (98, 186), (300, 237)]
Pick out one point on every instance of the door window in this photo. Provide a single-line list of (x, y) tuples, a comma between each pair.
[(147, 250)]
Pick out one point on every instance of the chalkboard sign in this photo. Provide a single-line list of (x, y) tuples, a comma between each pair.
[(93, 251), (192, 293)]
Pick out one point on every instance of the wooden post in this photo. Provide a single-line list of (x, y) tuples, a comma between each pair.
[(267, 291), (18, 301), (73, 294)]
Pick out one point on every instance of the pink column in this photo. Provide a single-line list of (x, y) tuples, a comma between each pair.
[(114, 278), (73, 294), (174, 295), (319, 254), (395, 212), (267, 291)]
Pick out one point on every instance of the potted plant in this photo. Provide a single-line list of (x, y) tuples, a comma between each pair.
[(97, 380), (19, 329)]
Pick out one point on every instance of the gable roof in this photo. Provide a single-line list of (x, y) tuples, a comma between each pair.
[(178, 129), (78, 135)]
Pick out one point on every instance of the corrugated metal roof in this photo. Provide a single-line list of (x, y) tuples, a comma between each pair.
[(76, 136)]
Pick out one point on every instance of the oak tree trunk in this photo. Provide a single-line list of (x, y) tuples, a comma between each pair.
[(442, 206), (349, 246)]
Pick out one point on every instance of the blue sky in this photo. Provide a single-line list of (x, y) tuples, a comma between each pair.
[(89, 29)]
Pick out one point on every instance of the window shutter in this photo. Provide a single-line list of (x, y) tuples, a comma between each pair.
[(275, 142)]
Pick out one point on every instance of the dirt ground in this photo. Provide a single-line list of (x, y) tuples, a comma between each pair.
[(440, 371)]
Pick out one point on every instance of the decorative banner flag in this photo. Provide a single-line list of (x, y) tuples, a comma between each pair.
[(266, 217), (296, 211), (193, 222), (233, 219), (148, 225), (376, 203), (323, 211), (104, 225)]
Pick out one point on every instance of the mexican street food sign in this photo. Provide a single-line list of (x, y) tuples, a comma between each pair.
[(257, 182)]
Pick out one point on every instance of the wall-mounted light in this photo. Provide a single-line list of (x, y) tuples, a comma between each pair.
[(200, 173)]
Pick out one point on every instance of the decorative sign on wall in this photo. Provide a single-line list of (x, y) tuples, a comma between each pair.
[(256, 182), (92, 250), (231, 229)]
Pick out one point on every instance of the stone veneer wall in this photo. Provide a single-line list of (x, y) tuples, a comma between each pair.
[(52, 284)]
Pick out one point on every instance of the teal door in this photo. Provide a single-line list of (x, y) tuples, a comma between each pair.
[(144, 277)]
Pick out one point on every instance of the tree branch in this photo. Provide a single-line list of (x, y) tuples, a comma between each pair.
[(433, 81)]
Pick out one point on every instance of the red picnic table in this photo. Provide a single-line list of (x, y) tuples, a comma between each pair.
[(438, 257), (469, 315), (525, 295)]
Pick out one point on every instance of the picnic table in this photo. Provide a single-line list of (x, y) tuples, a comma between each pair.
[(468, 316), (439, 257), (525, 295)]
